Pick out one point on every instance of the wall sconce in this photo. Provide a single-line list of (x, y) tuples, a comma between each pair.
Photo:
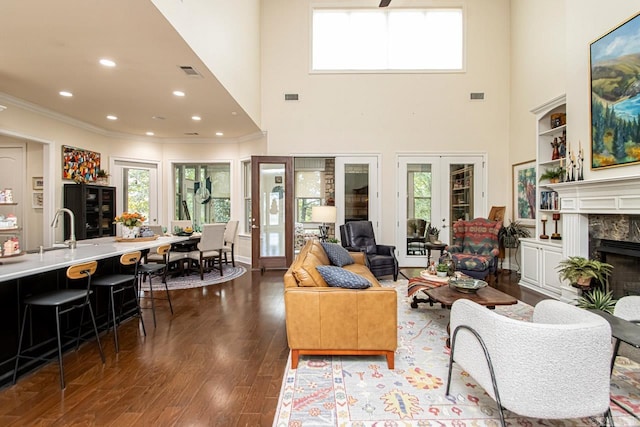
[(323, 214)]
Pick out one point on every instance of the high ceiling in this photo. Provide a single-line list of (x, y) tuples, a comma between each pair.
[(52, 46)]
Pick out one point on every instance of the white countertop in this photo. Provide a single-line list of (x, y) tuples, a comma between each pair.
[(87, 250)]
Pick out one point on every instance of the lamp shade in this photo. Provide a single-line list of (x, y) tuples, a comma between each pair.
[(323, 214)]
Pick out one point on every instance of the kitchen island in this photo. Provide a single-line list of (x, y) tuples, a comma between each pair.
[(34, 273)]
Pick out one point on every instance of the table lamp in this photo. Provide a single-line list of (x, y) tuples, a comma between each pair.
[(323, 214)]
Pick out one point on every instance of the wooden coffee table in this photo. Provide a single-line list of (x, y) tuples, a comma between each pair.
[(487, 296)]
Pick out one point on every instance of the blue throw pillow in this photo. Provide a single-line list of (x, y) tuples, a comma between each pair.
[(338, 255), (341, 278)]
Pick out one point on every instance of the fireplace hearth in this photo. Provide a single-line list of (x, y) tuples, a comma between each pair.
[(625, 258)]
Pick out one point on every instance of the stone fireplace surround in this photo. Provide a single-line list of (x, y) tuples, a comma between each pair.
[(594, 210)]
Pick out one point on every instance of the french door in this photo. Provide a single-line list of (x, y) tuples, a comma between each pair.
[(137, 188), (271, 212), (439, 190), (356, 190)]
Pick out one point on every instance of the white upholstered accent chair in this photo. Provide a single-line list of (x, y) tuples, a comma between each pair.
[(628, 308), (210, 248), (230, 233), (555, 367)]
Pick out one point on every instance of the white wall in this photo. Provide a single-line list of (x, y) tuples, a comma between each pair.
[(226, 37), (389, 113), (538, 68), (588, 20)]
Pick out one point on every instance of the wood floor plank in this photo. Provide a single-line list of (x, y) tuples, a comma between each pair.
[(218, 361)]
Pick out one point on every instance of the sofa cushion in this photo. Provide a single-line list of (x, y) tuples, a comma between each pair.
[(363, 271), (339, 277), (338, 255), (304, 266)]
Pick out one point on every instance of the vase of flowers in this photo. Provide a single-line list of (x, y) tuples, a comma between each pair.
[(131, 223)]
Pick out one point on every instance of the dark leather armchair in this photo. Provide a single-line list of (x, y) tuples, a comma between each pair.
[(358, 236)]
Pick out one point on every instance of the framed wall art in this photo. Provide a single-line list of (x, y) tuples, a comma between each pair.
[(79, 165), (38, 182), (524, 192), (615, 100), (37, 201)]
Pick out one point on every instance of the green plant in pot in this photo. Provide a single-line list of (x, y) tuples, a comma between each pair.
[(433, 233), (597, 299), (580, 271), (553, 174), (509, 236), (442, 269)]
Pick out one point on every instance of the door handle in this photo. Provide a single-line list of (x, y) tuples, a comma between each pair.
[(254, 226)]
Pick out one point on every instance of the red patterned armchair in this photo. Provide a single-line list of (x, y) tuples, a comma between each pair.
[(475, 247)]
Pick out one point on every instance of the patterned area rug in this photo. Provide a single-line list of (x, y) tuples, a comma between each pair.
[(362, 392), (193, 280)]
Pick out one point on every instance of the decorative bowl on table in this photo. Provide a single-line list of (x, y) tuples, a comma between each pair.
[(467, 285), (184, 233)]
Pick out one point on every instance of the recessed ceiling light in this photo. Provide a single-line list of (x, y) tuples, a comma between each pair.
[(107, 62), (65, 93), (196, 118), (219, 134), (233, 113), (178, 93), (112, 117), (150, 133)]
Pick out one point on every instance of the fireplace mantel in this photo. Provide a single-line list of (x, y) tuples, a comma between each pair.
[(579, 199), (620, 195)]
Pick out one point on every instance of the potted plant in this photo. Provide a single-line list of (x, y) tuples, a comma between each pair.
[(509, 236), (597, 299), (433, 233), (553, 174), (442, 270), (579, 271), (102, 177)]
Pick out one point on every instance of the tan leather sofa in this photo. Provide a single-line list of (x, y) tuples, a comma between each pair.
[(323, 320)]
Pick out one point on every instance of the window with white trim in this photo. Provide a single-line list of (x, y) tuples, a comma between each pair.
[(430, 39)]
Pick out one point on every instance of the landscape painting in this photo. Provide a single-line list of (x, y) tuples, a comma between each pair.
[(615, 97), (524, 192)]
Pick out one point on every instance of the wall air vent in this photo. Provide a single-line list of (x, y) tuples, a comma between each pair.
[(477, 96), (190, 71), (290, 96)]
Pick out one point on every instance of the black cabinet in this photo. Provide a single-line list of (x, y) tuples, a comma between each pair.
[(94, 207)]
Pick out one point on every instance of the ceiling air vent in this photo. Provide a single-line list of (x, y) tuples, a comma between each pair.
[(191, 133), (190, 71)]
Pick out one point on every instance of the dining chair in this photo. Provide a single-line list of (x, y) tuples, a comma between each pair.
[(118, 283), (210, 248), (63, 301), (158, 264), (230, 233), (157, 230)]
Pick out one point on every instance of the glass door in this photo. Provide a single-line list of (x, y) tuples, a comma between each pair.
[(137, 185), (272, 210), (434, 191), (356, 184)]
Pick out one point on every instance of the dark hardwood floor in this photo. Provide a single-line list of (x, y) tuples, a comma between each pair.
[(218, 361)]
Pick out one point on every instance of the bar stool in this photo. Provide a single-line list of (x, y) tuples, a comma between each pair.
[(117, 284), (156, 263), (59, 299)]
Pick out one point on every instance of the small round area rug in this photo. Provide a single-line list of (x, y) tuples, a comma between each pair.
[(193, 280)]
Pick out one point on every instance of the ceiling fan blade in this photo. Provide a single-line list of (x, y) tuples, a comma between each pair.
[(384, 3)]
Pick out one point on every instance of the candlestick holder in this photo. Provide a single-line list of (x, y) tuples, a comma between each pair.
[(556, 235), (544, 229)]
